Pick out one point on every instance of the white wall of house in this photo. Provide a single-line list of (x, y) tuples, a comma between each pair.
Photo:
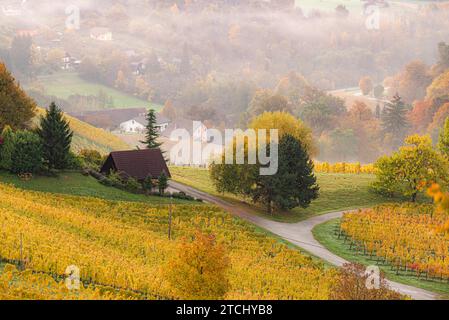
[(163, 126), (132, 126)]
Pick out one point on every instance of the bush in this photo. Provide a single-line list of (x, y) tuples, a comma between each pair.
[(27, 156), (74, 162), (132, 185), (6, 148), (91, 158)]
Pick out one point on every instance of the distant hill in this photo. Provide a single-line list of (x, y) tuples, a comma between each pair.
[(90, 137)]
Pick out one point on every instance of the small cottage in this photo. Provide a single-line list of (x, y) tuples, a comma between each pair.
[(138, 164)]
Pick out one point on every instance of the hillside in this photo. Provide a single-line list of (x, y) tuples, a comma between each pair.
[(124, 245), (89, 137)]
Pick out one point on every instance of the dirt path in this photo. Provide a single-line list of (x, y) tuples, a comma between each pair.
[(299, 234)]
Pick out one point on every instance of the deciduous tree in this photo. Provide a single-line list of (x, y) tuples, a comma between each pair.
[(197, 270), (406, 171), (16, 108)]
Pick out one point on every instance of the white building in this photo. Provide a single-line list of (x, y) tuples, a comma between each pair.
[(101, 34), (196, 129), (138, 124)]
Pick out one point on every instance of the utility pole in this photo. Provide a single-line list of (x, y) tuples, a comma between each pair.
[(169, 218)]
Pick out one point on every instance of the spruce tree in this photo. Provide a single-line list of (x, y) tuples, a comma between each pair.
[(294, 185), (152, 133), (443, 143), (394, 120), (56, 138)]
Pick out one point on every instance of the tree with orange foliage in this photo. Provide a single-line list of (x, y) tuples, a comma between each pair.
[(439, 87), (169, 110), (366, 85), (360, 111), (197, 271), (439, 118), (412, 82), (351, 285), (420, 116)]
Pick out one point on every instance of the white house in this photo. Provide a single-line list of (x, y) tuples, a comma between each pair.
[(138, 124), (196, 129), (101, 34)]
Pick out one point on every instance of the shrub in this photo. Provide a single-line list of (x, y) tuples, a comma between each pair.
[(91, 158), (27, 156), (74, 162), (132, 184), (6, 148)]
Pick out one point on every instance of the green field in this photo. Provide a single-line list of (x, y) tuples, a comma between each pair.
[(74, 183), (63, 85), (338, 192), (325, 234)]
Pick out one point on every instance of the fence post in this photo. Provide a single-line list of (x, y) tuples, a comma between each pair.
[(169, 218)]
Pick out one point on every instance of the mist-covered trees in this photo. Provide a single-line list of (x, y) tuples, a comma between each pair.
[(394, 120), (265, 100), (366, 85), (16, 108)]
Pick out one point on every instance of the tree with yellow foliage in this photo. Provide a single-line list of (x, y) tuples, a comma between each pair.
[(198, 269), (16, 108), (408, 170), (286, 123)]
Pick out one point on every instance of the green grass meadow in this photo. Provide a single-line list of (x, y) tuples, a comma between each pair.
[(337, 192), (74, 183), (63, 85)]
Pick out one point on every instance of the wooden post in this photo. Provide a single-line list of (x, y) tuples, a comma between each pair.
[(21, 252), (169, 218)]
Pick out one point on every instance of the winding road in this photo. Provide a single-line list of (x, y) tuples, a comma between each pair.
[(299, 234)]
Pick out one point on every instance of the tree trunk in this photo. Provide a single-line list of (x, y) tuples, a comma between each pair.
[(414, 196), (269, 209)]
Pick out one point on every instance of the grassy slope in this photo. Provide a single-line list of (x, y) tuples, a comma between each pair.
[(338, 192), (62, 85), (325, 234), (90, 137), (74, 183)]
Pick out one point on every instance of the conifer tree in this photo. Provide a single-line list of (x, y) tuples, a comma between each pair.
[(152, 133), (394, 120), (162, 183), (56, 138)]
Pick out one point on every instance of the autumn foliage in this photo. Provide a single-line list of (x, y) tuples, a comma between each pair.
[(198, 269)]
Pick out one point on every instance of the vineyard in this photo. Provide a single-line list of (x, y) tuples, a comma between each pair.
[(404, 237), (89, 137), (343, 167), (121, 249)]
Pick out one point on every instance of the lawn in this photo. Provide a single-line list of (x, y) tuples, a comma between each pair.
[(326, 235), (74, 183), (63, 85), (338, 192)]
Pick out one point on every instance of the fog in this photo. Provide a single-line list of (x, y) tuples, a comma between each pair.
[(209, 58)]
